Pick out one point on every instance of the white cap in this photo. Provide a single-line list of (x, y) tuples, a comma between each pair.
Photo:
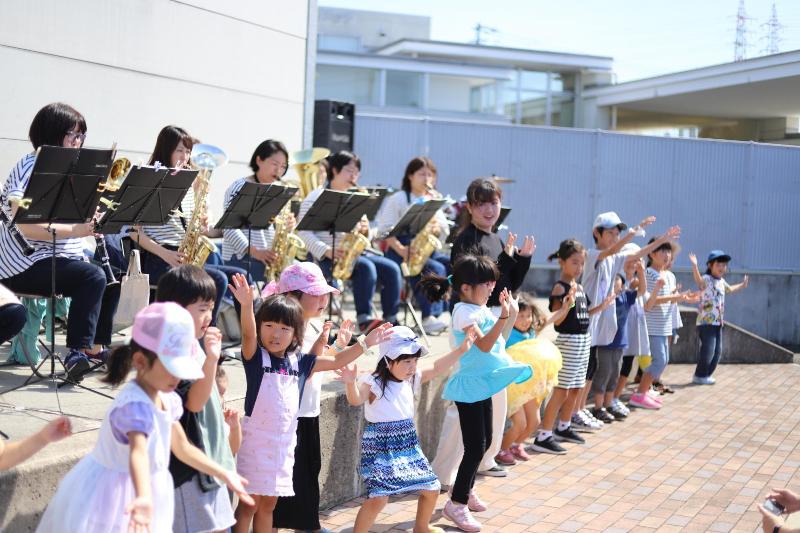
[(608, 220), (403, 341)]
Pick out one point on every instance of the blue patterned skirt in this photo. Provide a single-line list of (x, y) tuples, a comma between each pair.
[(392, 461)]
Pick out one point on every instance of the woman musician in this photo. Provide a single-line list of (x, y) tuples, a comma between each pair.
[(93, 304), (269, 163), (419, 185), (345, 168), (160, 243)]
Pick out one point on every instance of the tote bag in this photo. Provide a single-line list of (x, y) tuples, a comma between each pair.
[(134, 293)]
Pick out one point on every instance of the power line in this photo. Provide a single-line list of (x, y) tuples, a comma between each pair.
[(740, 44)]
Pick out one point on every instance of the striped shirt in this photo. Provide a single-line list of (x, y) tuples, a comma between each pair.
[(173, 232), (12, 260), (234, 241), (659, 317), (317, 242)]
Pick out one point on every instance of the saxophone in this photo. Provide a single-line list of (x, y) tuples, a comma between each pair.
[(354, 243), (195, 246), (422, 247), (287, 245)]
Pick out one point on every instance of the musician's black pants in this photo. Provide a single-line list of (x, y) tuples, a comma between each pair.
[(91, 313), (12, 320)]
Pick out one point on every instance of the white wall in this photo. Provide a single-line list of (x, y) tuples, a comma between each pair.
[(231, 73), (372, 29), (449, 93)]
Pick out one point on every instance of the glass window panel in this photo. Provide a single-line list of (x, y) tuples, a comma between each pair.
[(450, 93), (347, 84), (531, 80), (339, 43), (534, 107), (403, 89), (563, 111)]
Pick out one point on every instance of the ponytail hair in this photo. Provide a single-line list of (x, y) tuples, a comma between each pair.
[(120, 361), (567, 249), (469, 269)]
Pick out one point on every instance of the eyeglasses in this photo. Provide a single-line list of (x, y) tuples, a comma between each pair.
[(75, 135)]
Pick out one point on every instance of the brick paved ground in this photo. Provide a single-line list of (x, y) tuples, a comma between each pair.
[(699, 464)]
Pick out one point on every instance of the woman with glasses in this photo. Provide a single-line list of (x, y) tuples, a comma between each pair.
[(93, 304), (253, 249), (369, 268)]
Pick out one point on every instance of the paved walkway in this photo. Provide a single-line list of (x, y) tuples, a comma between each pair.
[(699, 464)]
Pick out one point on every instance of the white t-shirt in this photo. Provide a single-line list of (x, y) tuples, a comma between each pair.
[(598, 283), (309, 403), (394, 403)]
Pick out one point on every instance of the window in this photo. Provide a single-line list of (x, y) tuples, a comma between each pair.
[(339, 43), (403, 89), (347, 84)]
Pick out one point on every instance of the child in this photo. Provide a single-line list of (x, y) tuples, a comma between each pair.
[(658, 312), (233, 427), (277, 371), (305, 282), (574, 342), (609, 357), (126, 473), (392, 461), (710, 312), (201, 503), (483, 371), (13, 453), (545, 359)]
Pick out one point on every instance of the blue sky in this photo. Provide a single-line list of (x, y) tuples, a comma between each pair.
[(644, 37)]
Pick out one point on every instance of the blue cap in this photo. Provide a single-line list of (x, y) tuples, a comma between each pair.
[(718, 255)]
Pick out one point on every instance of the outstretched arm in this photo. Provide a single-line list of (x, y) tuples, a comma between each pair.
[(698, 279), (13, 453), (356, 394), (739, 286), (244, 295), (625, 239), (348, 355), (441, 365)]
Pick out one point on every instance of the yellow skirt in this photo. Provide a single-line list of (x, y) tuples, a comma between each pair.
[(545, 359)]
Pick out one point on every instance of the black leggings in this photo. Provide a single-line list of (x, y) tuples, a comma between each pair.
[(12, 320), (627, 365), (591, 368), (476, 433)]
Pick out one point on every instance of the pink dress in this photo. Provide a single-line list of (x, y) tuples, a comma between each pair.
[(269, 434)]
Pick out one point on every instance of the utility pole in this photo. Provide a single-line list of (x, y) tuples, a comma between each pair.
[(740, 44), (480, 29), (773, 37)]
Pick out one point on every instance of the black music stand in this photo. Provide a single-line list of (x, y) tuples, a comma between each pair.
[(504, 212), (254, 207), (338, 211), (373, 190), (413, 221), (63, 188)]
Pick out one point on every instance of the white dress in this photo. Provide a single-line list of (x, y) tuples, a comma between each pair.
[(93, 496)]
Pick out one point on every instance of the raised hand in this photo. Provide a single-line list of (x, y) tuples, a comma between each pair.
[(693, 259), (528, 246), (236, 483), (379, 334), (212, 341), (325, 334), (504, 303), (673, 233), (569, 299), (347, 374), (141, 511), (647, 221), (57, 429), (745, 281), (509, 248), (241, 290), (345, 334), (231, 417)]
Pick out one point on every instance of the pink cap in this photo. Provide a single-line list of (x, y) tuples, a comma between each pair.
[(167, 329), (306, 277)]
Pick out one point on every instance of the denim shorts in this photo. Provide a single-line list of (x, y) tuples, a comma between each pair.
[(659, 350)]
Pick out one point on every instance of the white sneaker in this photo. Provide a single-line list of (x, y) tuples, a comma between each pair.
[(617, 404), (592, 419), (433, 325)]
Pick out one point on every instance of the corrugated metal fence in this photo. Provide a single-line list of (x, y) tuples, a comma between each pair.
[(740, 197)]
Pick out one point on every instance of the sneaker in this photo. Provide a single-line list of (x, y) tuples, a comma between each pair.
[(433, 325), (519, 452), (703, 381), (568, 435), (505, 458), (644, 401), (548, 445), (475, 504), (592, 419), (655, 396), (99, 357), (495, 471), (581, 423), (77, 365), (618, 414), (663, 389), (602, 415), (459, 514), (621, 407)]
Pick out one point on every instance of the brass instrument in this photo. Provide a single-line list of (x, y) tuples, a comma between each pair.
[(306, 164), (354, 244), (195, 246), (116, 175), (424, 244), (285, 244)]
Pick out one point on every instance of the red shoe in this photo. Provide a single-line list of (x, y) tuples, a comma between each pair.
[(505, 458), (519, 453)]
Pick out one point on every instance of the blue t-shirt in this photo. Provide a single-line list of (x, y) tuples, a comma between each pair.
[(518, 336), (624, 301), (254, 371)]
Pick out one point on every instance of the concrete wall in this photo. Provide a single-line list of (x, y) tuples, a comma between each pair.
[(372, 29), (231, 73)]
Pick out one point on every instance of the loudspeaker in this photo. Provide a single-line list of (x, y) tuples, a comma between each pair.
[(333, 125)]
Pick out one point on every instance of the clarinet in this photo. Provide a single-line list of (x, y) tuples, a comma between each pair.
[(26, 247), (102, 251)]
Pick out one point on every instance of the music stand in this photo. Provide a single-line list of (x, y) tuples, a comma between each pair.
[(337, 211), (63, 189), (504, 211), (254, 207), (373, 190), (412, 222)]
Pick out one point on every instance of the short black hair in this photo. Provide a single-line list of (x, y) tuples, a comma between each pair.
[(52, 123), (284, 309), (185, 285), (341, 159), (267, 149)]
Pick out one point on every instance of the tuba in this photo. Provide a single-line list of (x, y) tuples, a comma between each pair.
[(306, 164), (195, 246), (287, 245), (354, 243)]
